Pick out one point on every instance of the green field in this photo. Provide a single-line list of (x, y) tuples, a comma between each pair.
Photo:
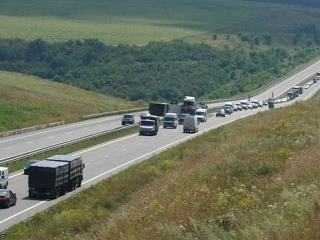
[(28, 101), (136, 22)]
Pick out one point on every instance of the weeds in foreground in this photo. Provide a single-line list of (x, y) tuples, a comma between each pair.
[(257, 178)]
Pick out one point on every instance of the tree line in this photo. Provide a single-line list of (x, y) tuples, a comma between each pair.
[(157, 71)]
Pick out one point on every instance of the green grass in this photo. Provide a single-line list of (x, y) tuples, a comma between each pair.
[(141, 21), (28, 101), (255, 178)]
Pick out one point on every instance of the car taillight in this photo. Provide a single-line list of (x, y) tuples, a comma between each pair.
[(3, 198)]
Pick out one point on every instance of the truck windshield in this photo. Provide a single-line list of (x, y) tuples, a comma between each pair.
[(147, 123), (200, 113), (168, 119)]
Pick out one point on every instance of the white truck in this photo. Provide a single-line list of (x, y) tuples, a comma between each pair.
[(4, 177), (189, 105)]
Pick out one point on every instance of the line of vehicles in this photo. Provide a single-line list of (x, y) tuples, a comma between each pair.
[(60, 174)]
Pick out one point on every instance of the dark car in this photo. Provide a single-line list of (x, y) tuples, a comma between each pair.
[(7, 198), (182, 117), (228, 110), (220, 113), (128, 119), (26, 167)]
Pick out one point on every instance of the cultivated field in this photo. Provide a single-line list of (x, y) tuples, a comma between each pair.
[(133, 22)]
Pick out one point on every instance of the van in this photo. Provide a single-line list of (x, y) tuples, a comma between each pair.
[(190, 124), (170, 120), (201, 114), (228, 104), (4, 177)]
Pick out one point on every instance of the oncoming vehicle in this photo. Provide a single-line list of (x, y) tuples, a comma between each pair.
[(182, 117), (201, 114), (7, 198), (128, 119), (221, 113), (149, 125), (170, 120), (244, 105)]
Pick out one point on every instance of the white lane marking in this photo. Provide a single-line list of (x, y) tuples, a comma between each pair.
[(30, 142), (127, 163), (139, 144), (85, 129), (123, 150), (17, 214), (51, 137), (106, 156), (69, 132), (58, 129), (7, 148)]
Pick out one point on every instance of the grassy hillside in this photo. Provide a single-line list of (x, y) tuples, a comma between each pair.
[(27, 101), (141, 21), (256, 178)]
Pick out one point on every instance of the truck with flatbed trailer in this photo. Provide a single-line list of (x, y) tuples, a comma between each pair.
[(55, 176)]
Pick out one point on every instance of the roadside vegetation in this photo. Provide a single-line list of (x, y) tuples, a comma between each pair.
[(27, 101), (256, 178)]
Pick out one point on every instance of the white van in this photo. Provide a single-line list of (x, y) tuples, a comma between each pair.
[(170, 120), (4, 177), (201, 114), (190, 124)]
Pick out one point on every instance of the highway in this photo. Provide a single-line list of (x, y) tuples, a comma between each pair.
[(108, 158)]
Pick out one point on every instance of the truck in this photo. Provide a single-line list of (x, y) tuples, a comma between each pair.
[(298, 90), (158, 109), (4, 177), (149, 125), (55, 176), (189, 105), (291, 95), (170, 120)]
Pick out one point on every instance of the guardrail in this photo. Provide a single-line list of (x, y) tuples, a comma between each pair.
[(62, 144)]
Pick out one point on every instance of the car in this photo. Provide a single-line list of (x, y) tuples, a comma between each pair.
[(249, 105), (239, 107), (182, 117), (128, 119), (235, 108), (260, 103), (7, 198), (26, 167), (265, 103), (203, 105), (220, 113), (228, 110)]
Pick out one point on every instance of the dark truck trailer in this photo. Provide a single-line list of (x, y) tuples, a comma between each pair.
[(55, 176), (75, 169), (158, 109), (49, 179)]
